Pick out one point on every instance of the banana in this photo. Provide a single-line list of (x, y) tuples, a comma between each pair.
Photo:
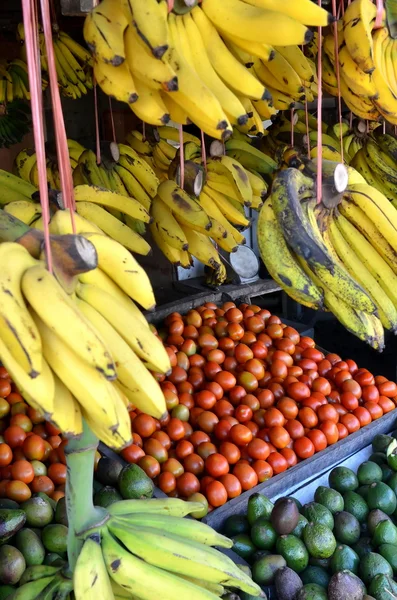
[(306, 12), (233, 73), (116, 81), (183, 206), (212, 210), (171, 253), (97, 195), (150, 106), (60, 314), (192, 559), (90, 578), (174, 507), (386, 101), (297, 60), (122, 267), (95, 394), (228, 100), (70, 58), (381, 162), (103, 32), (168, 226), (358, 21), (32, 589), (76, 49), (287, 187), (140, 169), (131, 184), (376, 206), (386, 310), (67, 413), (136, 140), (171, 133), (61, 224), (23, 210), (23, 189), (75, 149), (359, 82), (71, 75), (280, 262), (177, 114), (202, 248), (113, 227), (239, 46), (151, 23), (24, 162), (250, 158), (226, 165), (154, 73), (358, 105), (373, 261), (144, 343), (255, 23), (131, 373), (231, 213)]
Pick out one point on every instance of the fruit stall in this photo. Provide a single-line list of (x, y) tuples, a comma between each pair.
[(198, 299)]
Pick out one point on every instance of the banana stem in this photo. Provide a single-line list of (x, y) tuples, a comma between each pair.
[(82, 514)]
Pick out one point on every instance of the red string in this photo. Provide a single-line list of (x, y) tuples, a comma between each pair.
[(338, 76), (143, 131), (307, 129), (97, 141), (65, 170), (320, 118), (384, 127), (203, 151), (112, 120), (292, 127), (170, 4), (181, 158), (351, 119), (379, 14), (29, 10)]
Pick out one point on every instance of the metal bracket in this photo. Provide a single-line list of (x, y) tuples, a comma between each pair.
[(76, 8)]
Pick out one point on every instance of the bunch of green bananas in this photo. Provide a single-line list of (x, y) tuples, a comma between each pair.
[(73, 62), (220, 64), (87, 354), (341, 258), (44, 581), (367, 62), (148, 550), (14, 123), (14, 81)]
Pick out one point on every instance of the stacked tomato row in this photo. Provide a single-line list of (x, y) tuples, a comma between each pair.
[(248, 397), (32, 457)]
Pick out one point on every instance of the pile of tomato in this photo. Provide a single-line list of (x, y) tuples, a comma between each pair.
[(32, 457), (248, 397)]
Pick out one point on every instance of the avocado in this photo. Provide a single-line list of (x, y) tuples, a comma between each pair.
[(54, 538), (6, 591), (263, 534), (47, 498), (285, 516), (294, 551), (381, 496), (319, 540), (316, 575), (243, 545), (317, 513), (369, 472), (363, 546), (344, 557), (311, 591), (381, 442), (108, 471), (288, 583), (12, 565), (31, 547), (106, 496), (133, 483), (265, 569), (347, 528), (382, 587), (374, 564), (259, 554), (298, 531), (11, 521), (391, 454), (53, 559), (356, 505), (385, 533), (387, 474), (297, 502), (375, 517), (6, 503), (38, 512), (346, 585), (389, 552), (236, 524), (343, 480), (319, 562), (392, 483), (258, 506), (378, 457), (329, 498), (61, 515), (363, 491)]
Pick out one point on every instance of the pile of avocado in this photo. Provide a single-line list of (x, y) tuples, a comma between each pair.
[(113, 482), (341, 546), (32, 533)]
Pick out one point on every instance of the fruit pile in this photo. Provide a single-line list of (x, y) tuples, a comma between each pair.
[(212, 64), (32, 455), (339, 254), (248, 397), (336, 546)]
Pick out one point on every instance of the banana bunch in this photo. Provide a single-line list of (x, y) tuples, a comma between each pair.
[(14, 81), (147, 550), (73, 62), (223, 64), (343, 258), (14, 121), (88, 354), (43, 581)]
